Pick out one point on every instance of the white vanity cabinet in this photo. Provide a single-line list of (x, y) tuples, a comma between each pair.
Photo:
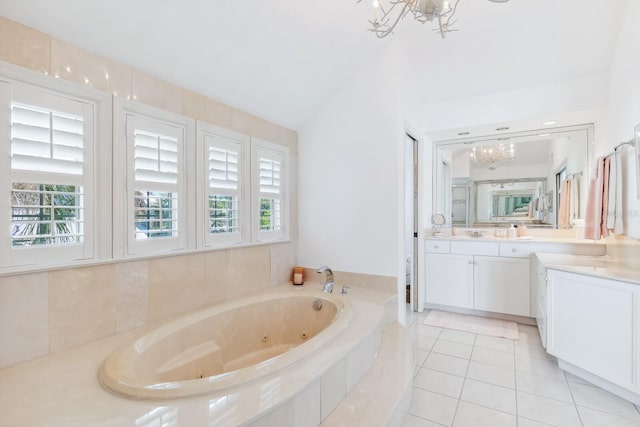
[(501, 285), (591, 325), (472, 274), (450, 280)]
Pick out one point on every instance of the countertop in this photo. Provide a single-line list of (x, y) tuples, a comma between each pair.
[(598, 266), (525, 239)]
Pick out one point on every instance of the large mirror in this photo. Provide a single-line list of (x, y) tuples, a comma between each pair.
[(514, 178)]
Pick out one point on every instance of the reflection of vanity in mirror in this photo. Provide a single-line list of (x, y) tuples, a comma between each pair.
[(513, 178)]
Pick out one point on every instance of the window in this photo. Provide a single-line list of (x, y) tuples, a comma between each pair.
[(222, 207), (154, 203), (50, 175), (269, 195)]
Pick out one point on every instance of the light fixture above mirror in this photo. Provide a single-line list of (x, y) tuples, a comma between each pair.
[(492, 155)]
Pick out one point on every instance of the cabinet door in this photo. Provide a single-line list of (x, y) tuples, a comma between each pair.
[(502, 285), (591, 325), (450, 280)]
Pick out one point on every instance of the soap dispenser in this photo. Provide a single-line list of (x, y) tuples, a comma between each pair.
[(512, 232)]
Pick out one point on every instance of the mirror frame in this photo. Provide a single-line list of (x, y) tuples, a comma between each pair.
[(437, 159)]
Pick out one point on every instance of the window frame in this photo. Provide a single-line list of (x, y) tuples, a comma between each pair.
[(273, 152), (207, 136), (96, 175), (126, 114)]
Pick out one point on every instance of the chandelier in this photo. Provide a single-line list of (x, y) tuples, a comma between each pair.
[(492, 155), (385, 18)]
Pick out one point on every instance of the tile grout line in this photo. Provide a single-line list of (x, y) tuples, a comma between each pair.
[(464, 381), (575, 405)]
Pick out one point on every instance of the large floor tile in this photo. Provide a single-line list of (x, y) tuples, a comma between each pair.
[(493, 357), (424, 343), (451, 348), (425, 330), (421, 355), (470, 415), (593, 418), (544, 367), (458, 336), (543, 386), (549, 411), (573, 379), (492, 374), (413, 421), (530, 350), (447, 364), (489, 395), (494, 343), (601, 400), (524, 422), (432, 406), (439, 382)]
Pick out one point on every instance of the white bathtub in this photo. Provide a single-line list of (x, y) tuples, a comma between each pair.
[(226, 345)]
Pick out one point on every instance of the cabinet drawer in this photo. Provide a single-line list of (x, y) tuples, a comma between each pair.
[(438, 246), (516, 250), (475, 248)]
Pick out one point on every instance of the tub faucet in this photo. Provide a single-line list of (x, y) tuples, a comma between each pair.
[(328, 285)]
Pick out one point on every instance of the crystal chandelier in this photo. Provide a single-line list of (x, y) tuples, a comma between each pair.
[(492, 155), (385, 18)]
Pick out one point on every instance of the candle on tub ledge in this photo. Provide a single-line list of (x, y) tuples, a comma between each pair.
[(298, 278)]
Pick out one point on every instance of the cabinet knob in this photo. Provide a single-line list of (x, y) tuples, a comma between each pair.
[(436, 246), (514, 250), (470, 262)]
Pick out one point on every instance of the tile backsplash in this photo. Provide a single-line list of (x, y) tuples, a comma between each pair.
[(47, 312)]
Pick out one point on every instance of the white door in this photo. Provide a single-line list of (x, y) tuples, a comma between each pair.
[(502, 285), (450, 280), (591, 325)]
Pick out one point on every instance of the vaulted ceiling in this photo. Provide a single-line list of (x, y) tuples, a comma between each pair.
[(283, 60)]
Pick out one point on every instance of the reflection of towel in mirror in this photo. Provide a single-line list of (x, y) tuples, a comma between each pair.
[(593, 216), (563, 209), (574, 198), (530, 214)]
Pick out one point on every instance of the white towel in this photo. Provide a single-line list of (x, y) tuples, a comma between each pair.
[(619, 225), (611, 207)]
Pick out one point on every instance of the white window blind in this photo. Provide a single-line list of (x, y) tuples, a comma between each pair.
[(50, 176), (155, 185), (223, 181), (270, 193)]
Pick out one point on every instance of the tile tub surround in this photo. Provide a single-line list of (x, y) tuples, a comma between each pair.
[(61, 389), (500, 382), (48, 312)]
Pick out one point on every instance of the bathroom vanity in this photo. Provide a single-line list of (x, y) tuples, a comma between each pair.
[(587, 317), (490, 274)]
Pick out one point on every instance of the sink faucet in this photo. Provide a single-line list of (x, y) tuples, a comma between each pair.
[(328, 285)]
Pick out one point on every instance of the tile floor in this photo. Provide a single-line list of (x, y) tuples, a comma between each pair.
[(471, 380)]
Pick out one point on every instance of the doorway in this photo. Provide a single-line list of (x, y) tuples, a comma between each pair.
[(411, 221)]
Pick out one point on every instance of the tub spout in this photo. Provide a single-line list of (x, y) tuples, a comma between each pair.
[(328, 285)]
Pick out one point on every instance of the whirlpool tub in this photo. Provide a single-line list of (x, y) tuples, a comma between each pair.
[(226, 345)]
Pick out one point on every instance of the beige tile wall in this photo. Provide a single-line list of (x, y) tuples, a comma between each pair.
[(52, 311)]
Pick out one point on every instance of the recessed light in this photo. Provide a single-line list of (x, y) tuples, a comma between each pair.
[(500, 129), (463, 133), (549, 122)]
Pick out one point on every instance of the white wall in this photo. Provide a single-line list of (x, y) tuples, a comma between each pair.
[(351, 177), (624, 108), (574, 99)]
